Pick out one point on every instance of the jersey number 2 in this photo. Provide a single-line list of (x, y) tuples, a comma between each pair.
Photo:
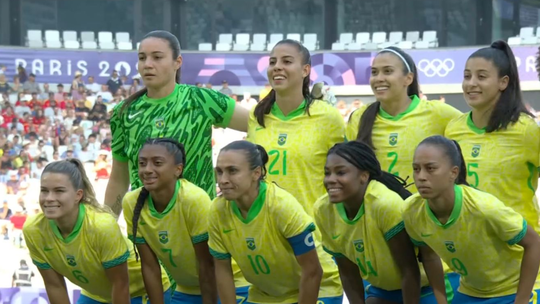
[(393, 155), (278, 157)]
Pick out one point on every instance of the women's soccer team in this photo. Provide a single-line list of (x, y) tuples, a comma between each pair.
[(411, 202)]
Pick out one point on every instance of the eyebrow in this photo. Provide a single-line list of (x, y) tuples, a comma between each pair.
[(154, 52), (286, 56)]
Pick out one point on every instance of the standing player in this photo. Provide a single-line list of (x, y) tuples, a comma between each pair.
[(489, 244), (164, 108), (362, 227), (266, 231), (77, 238), (297, 132), (499, 137), (166, 215), (398, 120)]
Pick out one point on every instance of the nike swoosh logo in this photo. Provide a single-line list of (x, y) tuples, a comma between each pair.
[(131, 116), (335, 236), (227, 230), (426, 235), (47, 249), (143, 223), (258, 129)]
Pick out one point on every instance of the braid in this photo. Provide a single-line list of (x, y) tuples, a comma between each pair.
[(143, 195)]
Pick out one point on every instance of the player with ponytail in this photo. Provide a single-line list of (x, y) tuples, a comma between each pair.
[(489, 244), (77, 238), (499, 136)]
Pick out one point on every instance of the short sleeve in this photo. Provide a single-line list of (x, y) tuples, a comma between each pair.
[(351, 131), (335, 128), (388, 211), (531, 142), (507, 224), (197, 213), (215, 242), (217, 106), (111, 245), (252, 124), (446, 113), (409, 221), (328, 245), (35, 254), (118, 135), (290, 218), (128, 205)]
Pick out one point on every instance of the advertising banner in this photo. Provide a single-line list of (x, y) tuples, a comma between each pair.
[(29, 295)]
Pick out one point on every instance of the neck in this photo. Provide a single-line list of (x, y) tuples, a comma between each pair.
[(443, 205), (353, 204), (289, 102), (396, 107), (66, 224), (481, 117), (245, 201), (156, 93), (162, 197)]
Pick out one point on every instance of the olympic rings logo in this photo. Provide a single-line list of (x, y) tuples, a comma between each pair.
[(436, 67)]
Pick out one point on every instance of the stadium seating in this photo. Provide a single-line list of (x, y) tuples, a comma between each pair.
[(379, 40), (527, 36), (70, 40)]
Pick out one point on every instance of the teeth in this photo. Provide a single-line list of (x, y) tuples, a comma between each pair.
[(279, 78), (381, 88), (333, 190)]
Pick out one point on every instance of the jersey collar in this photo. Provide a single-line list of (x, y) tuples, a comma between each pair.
[(169, 207), (145, 97), (343, 214), (255, 208), (276, 111), (473, 127), (458, 203), (76, 229), (414, 103)]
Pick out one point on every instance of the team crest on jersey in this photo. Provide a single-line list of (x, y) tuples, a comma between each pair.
[(163, 237), (71, 260), (450, 246), (251, 243), (475, 151), (159, 123), (359, 245), (282, 139), (392, 140)]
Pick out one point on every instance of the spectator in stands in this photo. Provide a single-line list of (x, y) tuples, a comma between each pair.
[(22, 277), (77, 94), (16, 86), (46, 91), (17, 222), (77, 83), (38, 169), (13, 183), (81, 111), (5, 215), (21, 72), (31, 86), (56, 156), (198, 85), (70, 118), (105, 94), (209, 86), (5, 88), (267, 88), (356, 104), (99, 111), (114, 83), (34, 102), (23, 108), (91, 87), (225, 88), (59, 96), (125, 85), (135, 86), (248, 102), (3, 69)]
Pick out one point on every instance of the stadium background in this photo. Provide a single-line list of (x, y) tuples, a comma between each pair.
[(460, 26)]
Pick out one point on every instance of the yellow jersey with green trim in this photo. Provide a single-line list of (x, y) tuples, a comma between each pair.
[(184, 221), (297, 145), (396, 137), (364, 239), (95, 244), (503, 163), (260, 245), (479, 240)]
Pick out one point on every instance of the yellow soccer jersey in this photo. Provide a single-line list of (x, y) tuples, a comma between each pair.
[(297, 145), (478, 241), (396, 137), (503, 163), (363, 240), (183, 222), (95, 244), (259, 243)]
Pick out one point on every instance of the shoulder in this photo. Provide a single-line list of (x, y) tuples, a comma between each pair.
[(98, 220), (382, 197), (130, 199), (413, 205), (458, 121), (191, 193), (528, 123), (279, 197), (480, 201), (35, 223), (356, 115), (322, 206)]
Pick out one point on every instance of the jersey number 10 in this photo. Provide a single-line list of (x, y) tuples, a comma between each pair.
[(280, 157)]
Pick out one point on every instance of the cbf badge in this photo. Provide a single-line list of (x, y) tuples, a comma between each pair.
[(251, 243), (159, 123), (359, 245), (163, 237), (71, 260), (282, 139), (392, 140), (475, 151)]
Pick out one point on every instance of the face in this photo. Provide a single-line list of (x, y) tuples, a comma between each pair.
[(433, 171), (60, 89), (387, 79), (46, 86), (2, 78), (91, 79), (342, 180), (156, 63), (481, 85), (58, 198), (234, 176), (286, 70), (157, 168)]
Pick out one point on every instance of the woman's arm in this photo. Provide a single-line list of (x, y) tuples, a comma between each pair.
[(529, 265), (118, 276), (207, 273), (353, 285), (239, 120), (402, 250), (310, 280), (55, 285), (434, 271), (225, 281), (151, 271), (117, 186)]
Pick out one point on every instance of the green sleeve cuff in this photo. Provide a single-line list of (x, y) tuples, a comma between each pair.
[(120, 157), (117, 261), (139, 240), (40, 265), (219, 255), (227, 116), (200, 238), (394, 231), (520, 235), (334, 254), (418, 243)]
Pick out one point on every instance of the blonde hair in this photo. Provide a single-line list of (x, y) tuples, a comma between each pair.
[(74, 169)]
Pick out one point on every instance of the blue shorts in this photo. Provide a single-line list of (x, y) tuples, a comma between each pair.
[(426, 293), (330, 300), (465, 299), (138, 300), (184, 298)]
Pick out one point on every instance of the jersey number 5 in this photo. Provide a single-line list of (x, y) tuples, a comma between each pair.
[(277, 158), (472, 173)]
